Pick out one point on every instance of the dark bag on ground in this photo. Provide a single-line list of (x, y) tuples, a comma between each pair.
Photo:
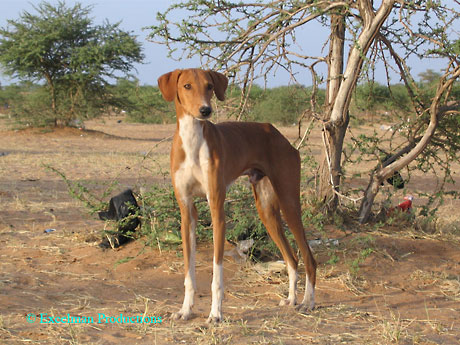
[(396, 180), (122, 209)]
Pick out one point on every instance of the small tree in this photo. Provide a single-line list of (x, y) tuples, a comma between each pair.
[(61, 46)]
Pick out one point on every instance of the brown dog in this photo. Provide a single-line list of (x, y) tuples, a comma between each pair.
[(206, 158)]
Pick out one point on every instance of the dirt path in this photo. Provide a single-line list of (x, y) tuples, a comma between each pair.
[(380, 286)]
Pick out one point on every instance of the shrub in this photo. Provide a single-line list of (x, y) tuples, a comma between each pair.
[(142, 103), (283, 105), (373, 96), (30, 106)]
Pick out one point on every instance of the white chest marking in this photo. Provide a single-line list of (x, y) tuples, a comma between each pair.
[(192, 176)]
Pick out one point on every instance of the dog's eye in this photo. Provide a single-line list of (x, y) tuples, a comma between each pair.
[(210, 86), (188, 86)]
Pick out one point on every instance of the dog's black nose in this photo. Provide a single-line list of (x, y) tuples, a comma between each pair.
[(205, 111)]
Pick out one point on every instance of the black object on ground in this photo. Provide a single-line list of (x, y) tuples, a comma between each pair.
[(122, 208)]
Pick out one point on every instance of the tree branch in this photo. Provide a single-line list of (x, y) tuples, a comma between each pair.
[(372, 23)]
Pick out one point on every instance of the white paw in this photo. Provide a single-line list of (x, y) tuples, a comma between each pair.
[(214, 318), (182, 315), (287, 301)]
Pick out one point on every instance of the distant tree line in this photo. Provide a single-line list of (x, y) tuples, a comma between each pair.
[(29, 103)]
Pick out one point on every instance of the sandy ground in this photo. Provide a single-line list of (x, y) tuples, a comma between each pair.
[(405, 290)]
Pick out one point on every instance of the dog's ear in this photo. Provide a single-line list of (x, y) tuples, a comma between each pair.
[(167, 84), (220, 84)]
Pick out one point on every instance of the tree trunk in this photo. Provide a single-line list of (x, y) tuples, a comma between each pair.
[(340, 88), (372, 22), (50, 82), (330, 168), (368, 200)]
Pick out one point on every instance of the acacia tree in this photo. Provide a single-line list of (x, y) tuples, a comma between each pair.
[(255, 39), (61, 46), (435, 124)]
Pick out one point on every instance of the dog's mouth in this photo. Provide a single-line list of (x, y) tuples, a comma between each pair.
[(203, 117)]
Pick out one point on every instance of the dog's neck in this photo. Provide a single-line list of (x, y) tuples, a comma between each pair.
[(188, 127), (190, 131)]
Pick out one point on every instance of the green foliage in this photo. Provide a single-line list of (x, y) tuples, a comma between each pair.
[(27, 104), (11, 94), (244, 223), (368, 96), (333, 257), (60, 46), (31, 107), (355, 264), (366, 247), (409, 121), (142, 104), (160, 215), (429, 77), (374, 97), (161, 220), (283, 105)]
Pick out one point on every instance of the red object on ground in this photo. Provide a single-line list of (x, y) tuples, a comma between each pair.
[(405, 206)]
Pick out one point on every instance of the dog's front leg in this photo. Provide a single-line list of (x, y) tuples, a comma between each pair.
[(216, 204), (188, 225)]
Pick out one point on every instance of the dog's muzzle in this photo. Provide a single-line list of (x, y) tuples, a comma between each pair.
[(205, 111)]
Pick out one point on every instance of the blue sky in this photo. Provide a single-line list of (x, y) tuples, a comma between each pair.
[(136, 14)]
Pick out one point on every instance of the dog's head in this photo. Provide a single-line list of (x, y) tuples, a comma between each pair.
[(193, 89)]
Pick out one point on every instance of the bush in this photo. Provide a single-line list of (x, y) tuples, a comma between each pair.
[(160, 215), (142, 103), (161, 220), (29, 106), (283, 105), (373, 96)]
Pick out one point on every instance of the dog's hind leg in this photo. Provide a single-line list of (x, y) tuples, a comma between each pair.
[(269, 211), (286, 184)]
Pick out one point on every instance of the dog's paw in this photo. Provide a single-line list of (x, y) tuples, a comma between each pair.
[(214, 319), (181, 315), (287, 301), (305, 307)]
